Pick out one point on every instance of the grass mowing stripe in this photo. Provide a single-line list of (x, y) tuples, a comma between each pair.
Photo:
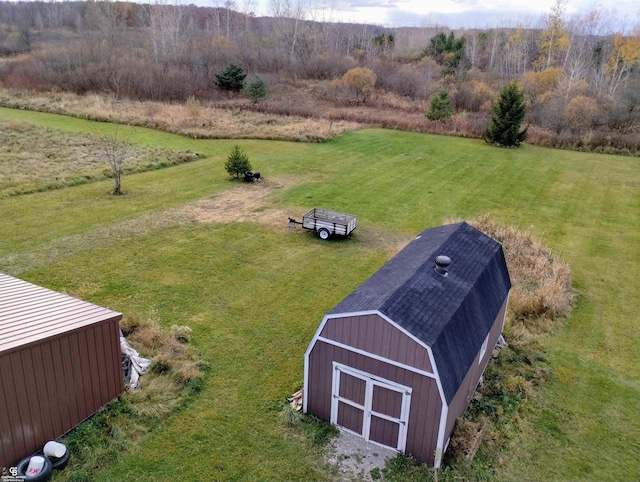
[(243, 325), (238, 285)]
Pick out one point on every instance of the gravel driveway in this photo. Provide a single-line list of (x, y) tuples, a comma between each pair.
[(353, 458)]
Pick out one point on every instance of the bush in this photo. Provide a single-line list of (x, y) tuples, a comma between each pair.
[(256, 89), (580, 113), (362, 81), (231, 78), (181, 333), (440, 106)]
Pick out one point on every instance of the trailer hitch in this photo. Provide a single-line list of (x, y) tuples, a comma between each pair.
[(293, 222)]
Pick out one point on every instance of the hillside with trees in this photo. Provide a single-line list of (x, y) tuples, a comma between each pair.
[(579, 76)]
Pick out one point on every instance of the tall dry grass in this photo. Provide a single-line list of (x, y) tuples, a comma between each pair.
[(174, 373), (236, 120), (123, 424), (541, 297), (541, 294), (310, 111), (38, 159)]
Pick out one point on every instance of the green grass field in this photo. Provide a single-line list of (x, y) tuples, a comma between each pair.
[(254, 292)]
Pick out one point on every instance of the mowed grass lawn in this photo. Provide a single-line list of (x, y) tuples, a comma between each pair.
[(254, 293)]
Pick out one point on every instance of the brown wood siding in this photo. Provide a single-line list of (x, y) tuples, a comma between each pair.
[(386, 401), (350, 417), (426, 405), (384, 432), (467, 388), (374, 334), (352, 388), (48, 387)]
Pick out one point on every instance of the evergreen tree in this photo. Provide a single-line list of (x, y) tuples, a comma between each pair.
[(256, 89), (231, 78), (440, 106), (237, 162), (506, 117), (448, 51)]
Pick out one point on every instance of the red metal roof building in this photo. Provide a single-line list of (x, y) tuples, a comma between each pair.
[(60, 362)]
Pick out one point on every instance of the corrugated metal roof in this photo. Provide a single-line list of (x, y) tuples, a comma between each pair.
[(453, 313), (30, 313)]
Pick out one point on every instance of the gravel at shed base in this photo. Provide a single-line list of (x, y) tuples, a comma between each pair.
[(353, 458)]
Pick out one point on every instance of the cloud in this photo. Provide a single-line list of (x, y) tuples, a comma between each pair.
[(375, 4), (468, 13)]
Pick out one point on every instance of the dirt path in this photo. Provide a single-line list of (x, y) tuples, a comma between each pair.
[(243, 203)]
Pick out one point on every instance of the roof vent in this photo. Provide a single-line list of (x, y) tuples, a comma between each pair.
[(442, 265)]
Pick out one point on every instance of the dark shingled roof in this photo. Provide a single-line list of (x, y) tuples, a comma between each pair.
[(452, 314)]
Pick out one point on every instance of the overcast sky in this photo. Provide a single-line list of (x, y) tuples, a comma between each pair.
[(463, 13)]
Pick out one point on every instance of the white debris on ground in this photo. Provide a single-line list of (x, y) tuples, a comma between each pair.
[(353, 458), (136, 365)]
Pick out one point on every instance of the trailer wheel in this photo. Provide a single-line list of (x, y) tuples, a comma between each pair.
[(324, 233)]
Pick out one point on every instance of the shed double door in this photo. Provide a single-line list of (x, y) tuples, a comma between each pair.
[(371, 407)]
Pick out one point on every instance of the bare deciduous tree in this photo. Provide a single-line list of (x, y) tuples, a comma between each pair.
[(115, 151), (166, 29), (289, 15)]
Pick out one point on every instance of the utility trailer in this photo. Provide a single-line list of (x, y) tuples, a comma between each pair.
[(326, 223)]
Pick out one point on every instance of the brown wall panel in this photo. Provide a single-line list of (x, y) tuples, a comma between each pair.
[(10, 433), (41, 393), (96, 389), (384, 432), (52, 388), (352, 388), (388, 402), (69, 404), (373, 334)]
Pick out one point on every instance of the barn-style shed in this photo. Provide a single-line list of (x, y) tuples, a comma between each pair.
[(60, 362), (398, 360)]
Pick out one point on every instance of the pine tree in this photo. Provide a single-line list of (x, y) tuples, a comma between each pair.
[(231, 78), (237, 162), (256, 89), (506, 117), (440, 106)]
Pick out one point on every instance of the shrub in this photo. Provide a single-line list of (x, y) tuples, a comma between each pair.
[(440, 106), (231, 79), (580, 113), (361, 81), (181, 333), (256, 89)]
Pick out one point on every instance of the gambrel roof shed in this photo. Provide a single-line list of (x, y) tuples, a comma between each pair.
[(60, 362), (399, 358)]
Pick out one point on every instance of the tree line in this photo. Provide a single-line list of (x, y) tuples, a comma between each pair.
[(577, 73)]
